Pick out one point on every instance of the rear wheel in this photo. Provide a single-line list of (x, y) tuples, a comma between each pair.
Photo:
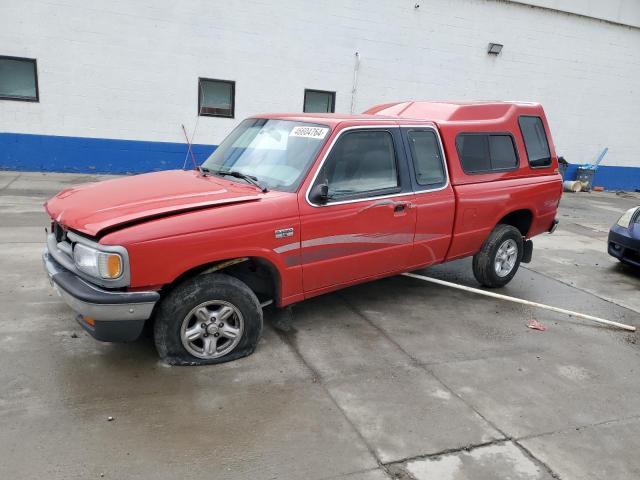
[(208, 319), (499, 258)]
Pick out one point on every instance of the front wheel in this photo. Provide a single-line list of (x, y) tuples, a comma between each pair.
[(208, 319), (499, 258)]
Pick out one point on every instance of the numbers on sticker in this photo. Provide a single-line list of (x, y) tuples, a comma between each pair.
[(309, 132)]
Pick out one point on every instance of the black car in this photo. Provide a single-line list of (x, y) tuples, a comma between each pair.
[(624, 238)]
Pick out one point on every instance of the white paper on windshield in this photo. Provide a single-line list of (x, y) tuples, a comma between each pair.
[(309, 132)]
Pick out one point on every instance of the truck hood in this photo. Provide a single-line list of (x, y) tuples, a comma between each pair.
[(94, 207)]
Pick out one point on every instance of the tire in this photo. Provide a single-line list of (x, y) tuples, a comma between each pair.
[(484, 262), (210, 309)]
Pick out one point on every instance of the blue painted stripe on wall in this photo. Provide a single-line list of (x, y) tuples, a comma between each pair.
[(49, 153), (611, 177)]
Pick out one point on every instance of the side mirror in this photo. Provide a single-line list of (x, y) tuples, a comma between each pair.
[(320, 193)]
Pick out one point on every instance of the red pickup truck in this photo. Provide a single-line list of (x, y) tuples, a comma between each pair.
[(290, 206)]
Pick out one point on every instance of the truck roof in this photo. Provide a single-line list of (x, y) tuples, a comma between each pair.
[(325, 118), (454, 111), (439, 112)]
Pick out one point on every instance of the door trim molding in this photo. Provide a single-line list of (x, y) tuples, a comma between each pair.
[(374, 197)]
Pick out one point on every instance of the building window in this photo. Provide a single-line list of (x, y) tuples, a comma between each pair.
[(319, 101), (535, 141), (18, 79), (484, 152), (216, 98)]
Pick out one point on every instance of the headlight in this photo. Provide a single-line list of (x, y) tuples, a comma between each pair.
[(625, 219), (96, 263)]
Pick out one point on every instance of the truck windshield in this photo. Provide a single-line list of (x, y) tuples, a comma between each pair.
[(276, 153)]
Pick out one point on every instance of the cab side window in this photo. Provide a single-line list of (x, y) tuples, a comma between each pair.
[(535, 141), (427, 159), (361, 163)]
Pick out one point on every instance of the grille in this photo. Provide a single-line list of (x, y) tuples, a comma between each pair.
[(59, 231), (632, 255), (64, 246)]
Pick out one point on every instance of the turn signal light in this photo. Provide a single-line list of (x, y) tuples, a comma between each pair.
[(109, 265), (114, 266)]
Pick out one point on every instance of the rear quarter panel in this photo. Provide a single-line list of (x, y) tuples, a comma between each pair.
[(480, 206), (483, 199)]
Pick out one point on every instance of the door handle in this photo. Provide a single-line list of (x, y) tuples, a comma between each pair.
[(379, 203), (398, 206), (401, 206)]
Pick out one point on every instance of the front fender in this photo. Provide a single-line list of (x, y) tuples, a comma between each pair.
[(162, 250)]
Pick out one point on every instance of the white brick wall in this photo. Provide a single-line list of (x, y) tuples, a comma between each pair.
[(128, 69)]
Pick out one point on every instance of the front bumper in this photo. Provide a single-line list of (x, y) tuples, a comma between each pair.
[(623, 246), (107, 315)]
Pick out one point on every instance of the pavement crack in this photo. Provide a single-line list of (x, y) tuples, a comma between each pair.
[(395, 467), (357, 472), (11, 182), (536, 460), (579, 427), (448, 451)]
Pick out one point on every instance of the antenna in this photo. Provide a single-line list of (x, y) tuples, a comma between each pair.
[(189, 150), (195, 127)]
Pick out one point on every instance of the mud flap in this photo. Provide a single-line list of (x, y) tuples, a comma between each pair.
[(527, 251)]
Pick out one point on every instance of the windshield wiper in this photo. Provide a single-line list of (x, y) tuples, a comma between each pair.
[(247, 178), (203, 171)]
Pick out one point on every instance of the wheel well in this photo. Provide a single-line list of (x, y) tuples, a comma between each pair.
[(521, 219), (259, 274)]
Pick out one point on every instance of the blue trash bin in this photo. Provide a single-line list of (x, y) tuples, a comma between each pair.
[(585, 177), (562, 168)]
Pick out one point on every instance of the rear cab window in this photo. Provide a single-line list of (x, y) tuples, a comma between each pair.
[(486, 152), (426, 157), (535, 141)]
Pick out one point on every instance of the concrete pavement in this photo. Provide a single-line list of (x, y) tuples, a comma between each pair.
[(396, 378)]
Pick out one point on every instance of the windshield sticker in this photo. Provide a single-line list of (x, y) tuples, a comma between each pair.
[(309, 132)]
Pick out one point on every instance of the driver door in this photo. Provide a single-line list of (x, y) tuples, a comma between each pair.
[(365, 227)]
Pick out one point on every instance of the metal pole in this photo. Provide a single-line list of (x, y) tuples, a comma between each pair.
[(354, 88), (519, 300)]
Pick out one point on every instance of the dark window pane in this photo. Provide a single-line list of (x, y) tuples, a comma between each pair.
[(535, 141), (474, 152), (18, 79), (316, 101), (216, 98), (503, 153), (427, 160), (361, 162)]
